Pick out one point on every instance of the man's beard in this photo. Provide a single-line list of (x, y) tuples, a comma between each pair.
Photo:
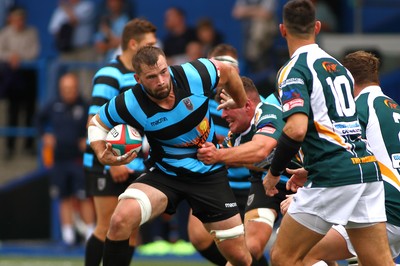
[(162, 95)]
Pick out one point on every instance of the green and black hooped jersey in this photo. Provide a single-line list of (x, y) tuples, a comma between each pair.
[(380, 118), (314, 83), (267, 121)]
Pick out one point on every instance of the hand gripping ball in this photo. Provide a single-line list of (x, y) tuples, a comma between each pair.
[(124, 138)]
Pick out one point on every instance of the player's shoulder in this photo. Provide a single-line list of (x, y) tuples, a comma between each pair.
[(113, 68), (197, 64)]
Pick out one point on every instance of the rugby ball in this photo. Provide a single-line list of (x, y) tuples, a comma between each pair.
[(124, 138)]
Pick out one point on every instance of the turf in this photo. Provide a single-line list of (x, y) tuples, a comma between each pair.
[(66, 261)]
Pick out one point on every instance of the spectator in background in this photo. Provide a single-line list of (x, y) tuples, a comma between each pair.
[(178, 35), (207, 35), (62, 125), (19, 43), (194, 50), (5, 6), (73, 26), (259, 30), (111, 24)]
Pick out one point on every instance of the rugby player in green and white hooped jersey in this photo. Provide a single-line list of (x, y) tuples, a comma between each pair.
[(346, 186), (380, 119)]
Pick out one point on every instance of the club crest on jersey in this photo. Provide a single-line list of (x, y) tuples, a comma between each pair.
[(391, 104), (329, 66), (188, 103)]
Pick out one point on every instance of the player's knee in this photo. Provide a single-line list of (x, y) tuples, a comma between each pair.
[(143, 201), (274, 256), (200, 239), (221, 235), (262, 215), (255, 247)]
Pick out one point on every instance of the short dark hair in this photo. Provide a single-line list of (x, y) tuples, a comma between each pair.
[(223, 49), (364, 67), (135, 29), (299, 17), (147, 55), (250, 89)]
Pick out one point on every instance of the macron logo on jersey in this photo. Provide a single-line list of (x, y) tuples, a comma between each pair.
[(159, 121)]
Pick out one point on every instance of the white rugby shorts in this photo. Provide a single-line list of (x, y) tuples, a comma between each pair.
[(393, 233), (359, 203)]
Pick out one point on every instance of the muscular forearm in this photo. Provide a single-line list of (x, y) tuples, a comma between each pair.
[(234, 87), (248, 153)]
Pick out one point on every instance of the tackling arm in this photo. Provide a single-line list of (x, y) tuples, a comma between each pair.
[(245, 154), (231, 82)]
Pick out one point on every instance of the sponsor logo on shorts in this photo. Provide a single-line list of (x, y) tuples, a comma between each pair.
[(250, 199), (230, 205), (101, 183)]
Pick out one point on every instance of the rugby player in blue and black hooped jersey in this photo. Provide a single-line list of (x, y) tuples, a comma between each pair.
[(106, 183), (170, 105)]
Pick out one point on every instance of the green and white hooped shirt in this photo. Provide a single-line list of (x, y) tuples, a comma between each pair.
[(380, 119), (314, 83)]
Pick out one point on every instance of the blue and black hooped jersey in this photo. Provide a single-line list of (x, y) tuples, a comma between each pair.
[(108, 82), (174, 135)]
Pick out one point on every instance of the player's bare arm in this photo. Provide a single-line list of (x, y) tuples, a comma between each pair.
[(97, 133), (293, 134), (231, 82), (247, 153)]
